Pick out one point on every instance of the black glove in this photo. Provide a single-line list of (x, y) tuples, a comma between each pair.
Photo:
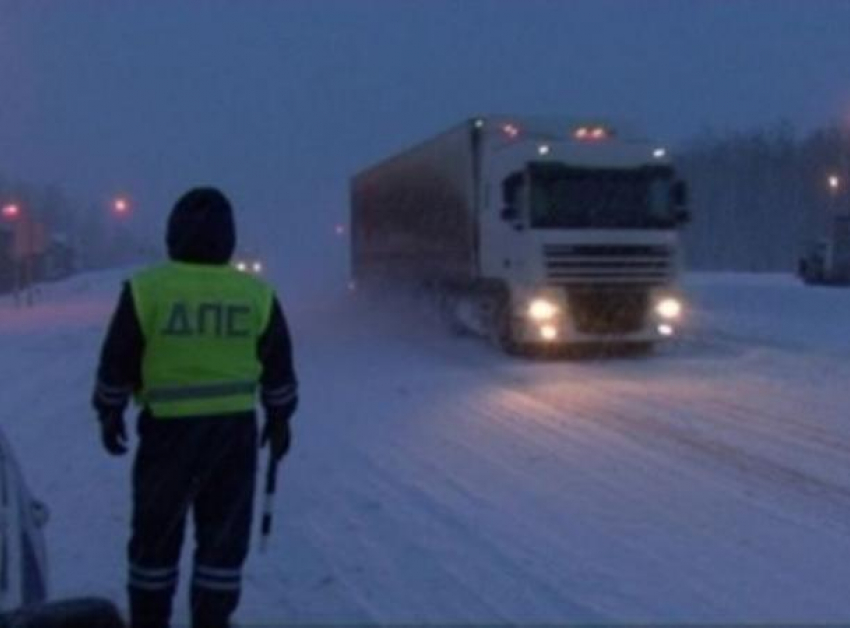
[(113, 433), (278, 436)]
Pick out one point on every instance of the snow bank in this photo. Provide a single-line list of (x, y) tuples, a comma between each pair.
[(775, 309)]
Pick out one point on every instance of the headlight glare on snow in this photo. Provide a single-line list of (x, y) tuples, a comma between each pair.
[(669, 308), (542, 310)]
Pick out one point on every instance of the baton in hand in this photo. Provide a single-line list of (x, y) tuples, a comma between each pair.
[(268, 502)]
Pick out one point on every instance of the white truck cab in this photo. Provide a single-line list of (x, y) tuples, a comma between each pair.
[(586, 221)]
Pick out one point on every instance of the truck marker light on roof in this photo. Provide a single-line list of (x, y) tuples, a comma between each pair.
[(595, 133)]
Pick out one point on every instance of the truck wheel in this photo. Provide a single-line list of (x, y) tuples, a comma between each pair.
[(639, 349), (448, 315), (504, 332)]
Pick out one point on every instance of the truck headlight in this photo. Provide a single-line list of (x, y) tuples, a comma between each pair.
[(241, 266), (669, 308), (542, 310), (258, 267), (548, 332)]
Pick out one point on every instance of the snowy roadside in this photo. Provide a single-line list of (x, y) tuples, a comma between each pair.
[(772, 309)]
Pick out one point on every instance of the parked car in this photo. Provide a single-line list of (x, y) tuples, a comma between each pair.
[(24, 566)]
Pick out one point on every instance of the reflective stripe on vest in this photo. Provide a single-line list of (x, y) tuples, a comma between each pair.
[(206, 391), (201, 326)]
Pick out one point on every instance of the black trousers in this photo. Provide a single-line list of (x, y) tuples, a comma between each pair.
[(205, 466)]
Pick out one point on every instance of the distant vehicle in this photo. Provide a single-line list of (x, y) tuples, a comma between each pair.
[(249, 264), (23, 562), (827, 261), (532, 232)]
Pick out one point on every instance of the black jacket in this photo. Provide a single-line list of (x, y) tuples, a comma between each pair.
[(200, 231)]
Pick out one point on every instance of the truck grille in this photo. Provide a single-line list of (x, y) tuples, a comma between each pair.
[(608, 311), (570, 264)]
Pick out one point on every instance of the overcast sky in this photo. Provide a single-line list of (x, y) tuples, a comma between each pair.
[(279, 102)]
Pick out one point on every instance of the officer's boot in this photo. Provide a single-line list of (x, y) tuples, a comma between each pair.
[(150, 609), (212, 609)]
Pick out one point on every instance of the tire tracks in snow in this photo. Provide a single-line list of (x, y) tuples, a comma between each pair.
[(408, 519), (813, 495)]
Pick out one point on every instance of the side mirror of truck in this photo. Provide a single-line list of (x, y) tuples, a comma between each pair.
[(679, 194), (679, 199), (510, 214)]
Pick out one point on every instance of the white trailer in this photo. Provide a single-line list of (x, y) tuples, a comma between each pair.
[(533, 232)]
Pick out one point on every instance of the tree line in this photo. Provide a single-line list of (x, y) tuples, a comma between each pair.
[(86, 230), (759, 197)]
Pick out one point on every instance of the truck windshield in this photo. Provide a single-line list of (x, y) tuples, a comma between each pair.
[(569, 197)]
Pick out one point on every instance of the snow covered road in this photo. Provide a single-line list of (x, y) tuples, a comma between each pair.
[(435, 480)]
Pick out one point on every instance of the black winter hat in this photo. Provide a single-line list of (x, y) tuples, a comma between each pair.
[(201, 228)]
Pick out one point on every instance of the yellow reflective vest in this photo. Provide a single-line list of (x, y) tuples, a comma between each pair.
[(201, 326)]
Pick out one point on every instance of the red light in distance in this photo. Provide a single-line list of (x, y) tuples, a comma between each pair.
[(11, 211), (121, 206), (510, 130)]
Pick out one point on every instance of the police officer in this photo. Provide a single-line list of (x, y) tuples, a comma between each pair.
[(194, 341)]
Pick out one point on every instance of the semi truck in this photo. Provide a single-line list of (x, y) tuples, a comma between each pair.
[(533, 232)]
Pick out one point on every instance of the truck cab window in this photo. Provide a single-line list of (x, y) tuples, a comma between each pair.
[(565, 197)]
